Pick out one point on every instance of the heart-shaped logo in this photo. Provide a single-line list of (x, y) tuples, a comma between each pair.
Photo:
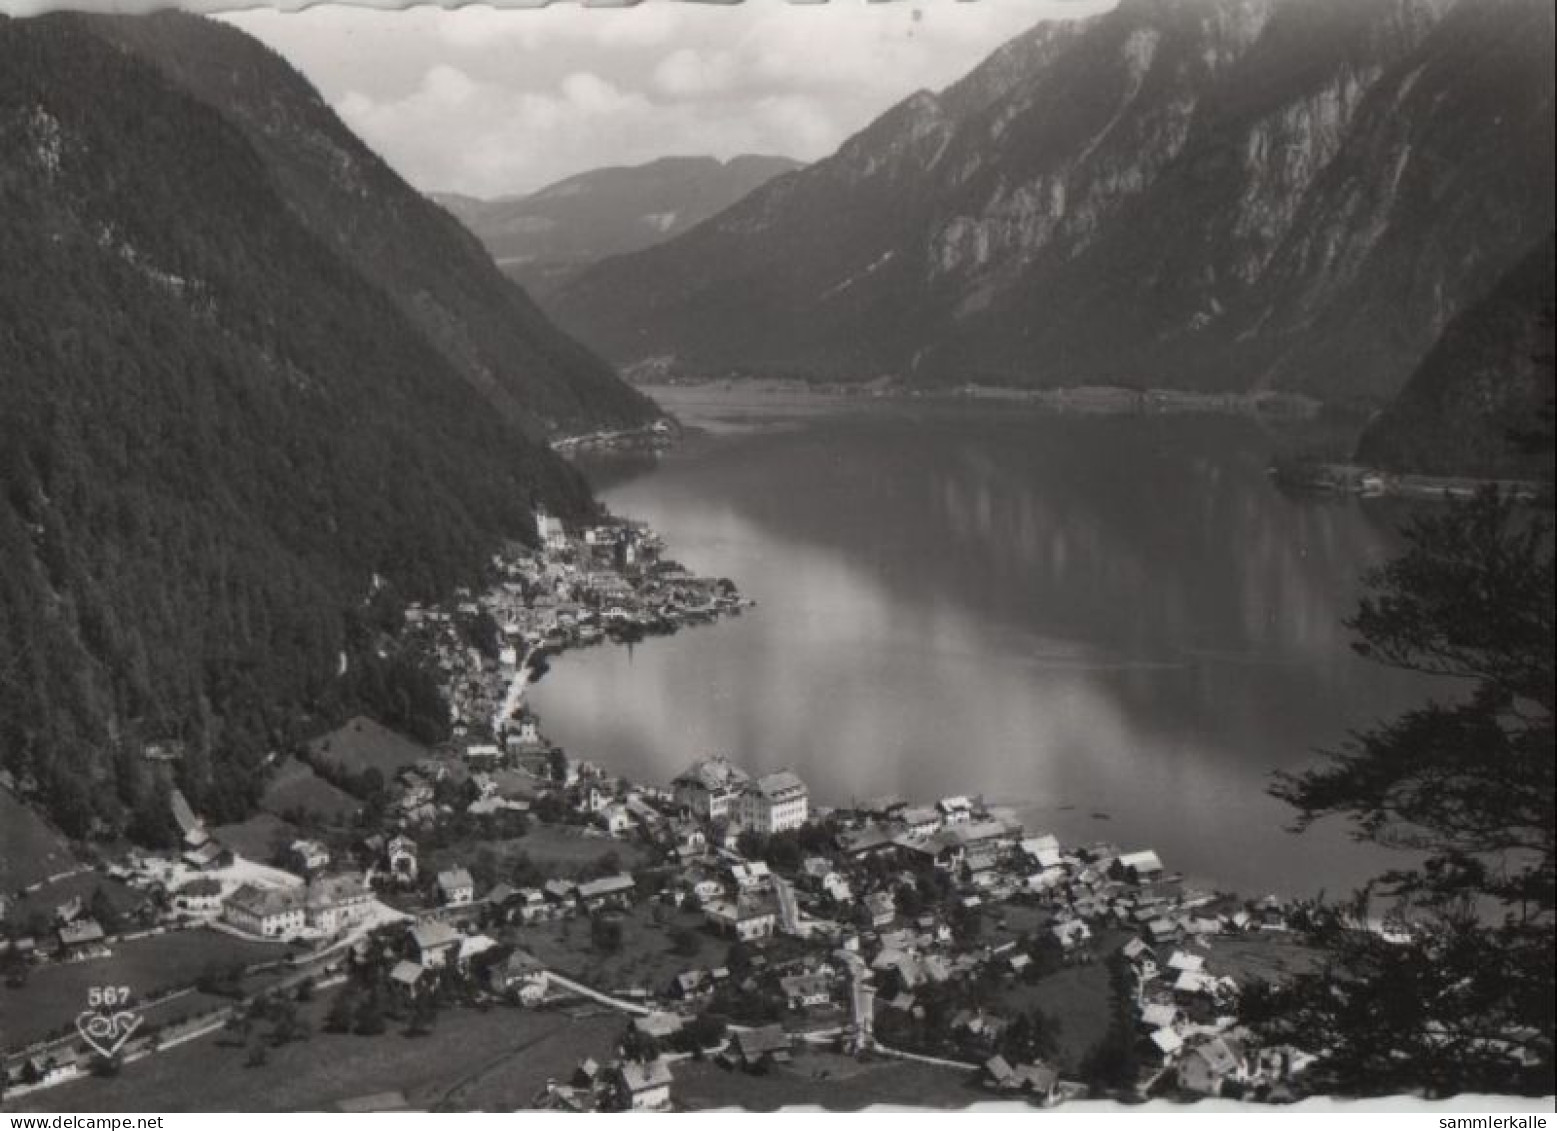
[(106, 1032)]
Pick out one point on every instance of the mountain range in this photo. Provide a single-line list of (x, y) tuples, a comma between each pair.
[(251, 380), (545, 238), (1202, 194)]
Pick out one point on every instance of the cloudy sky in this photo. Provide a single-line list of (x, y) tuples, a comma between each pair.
[(491, 102)]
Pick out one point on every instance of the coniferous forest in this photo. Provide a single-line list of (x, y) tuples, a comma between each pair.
[(216, 430)]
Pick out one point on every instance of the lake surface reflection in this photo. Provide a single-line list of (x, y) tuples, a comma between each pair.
[(1114, 625)]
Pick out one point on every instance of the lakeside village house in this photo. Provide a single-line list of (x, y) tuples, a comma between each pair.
[(326, 904), (715, 789)]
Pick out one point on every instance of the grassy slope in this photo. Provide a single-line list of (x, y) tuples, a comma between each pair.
[(30, 848), (496, 1060)]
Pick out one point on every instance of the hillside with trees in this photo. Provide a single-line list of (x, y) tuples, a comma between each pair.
[(227, 453), (1470, 406)]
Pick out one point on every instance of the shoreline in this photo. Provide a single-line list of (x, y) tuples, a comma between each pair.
[(1363, 481), (1099, 399), (518, 703)]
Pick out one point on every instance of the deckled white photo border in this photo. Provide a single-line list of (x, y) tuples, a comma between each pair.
[(1350, 1113)]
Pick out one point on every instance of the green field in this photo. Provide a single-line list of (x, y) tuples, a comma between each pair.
[(829, 1080), (493, 1060), (561, 850), (1077, 998), (644, 960), (30, 848), (46, 899), (296, 788), (557, 851), (55, 993), (1266, 955), (257, 838), (362, 743)]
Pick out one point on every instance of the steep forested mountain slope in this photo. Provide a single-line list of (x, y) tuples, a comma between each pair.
[(433, 270), (1484, 391), (547, 237), (1209, 194), (219, 425)]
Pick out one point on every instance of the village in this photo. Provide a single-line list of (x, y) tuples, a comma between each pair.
[(708, 934)]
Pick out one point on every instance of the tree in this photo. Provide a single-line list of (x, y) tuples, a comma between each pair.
[(1030, 1037), (638, 1045), (683, 941), (286, 1024), (424, 1014), (486, 868), (368, 1020), (1113, 1065), (102, 908), (737, 958), (702, 1032), (1459, 994), (605, 933), (343, 1011), (557, 763)]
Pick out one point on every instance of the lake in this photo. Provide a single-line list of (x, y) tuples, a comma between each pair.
[(1114, 625)]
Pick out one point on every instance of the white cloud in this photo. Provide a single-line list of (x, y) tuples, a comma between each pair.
[(491, 101)]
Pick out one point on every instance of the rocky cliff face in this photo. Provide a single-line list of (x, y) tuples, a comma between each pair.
[(1207, 194)]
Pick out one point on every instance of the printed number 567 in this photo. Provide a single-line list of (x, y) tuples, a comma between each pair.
[(107, 995)]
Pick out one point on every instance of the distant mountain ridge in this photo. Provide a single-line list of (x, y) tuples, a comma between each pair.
[(546, 237), (1202, 194), (256, 393)]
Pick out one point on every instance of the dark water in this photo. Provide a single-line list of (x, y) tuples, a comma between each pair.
[(1114, 625)]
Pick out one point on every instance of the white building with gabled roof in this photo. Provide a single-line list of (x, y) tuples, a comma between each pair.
[(267, 912), (710, 787), (775, 803)]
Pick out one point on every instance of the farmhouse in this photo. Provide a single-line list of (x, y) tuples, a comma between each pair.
[(1137, 867), (805, 991), (268, 912), (81, 934), (433, 943), (659, 1024), (309, 855), (608, 891), (919, 821), (753, 1047), (1205, 1066), (644, 1087), (456, 887), (401, 856), (1044, 851), (710, 787), (1035, 1079), (881, 908), (616, 820), (208, 856), (336, 902), (200, 895), (954, 810), (746, 918), (521, 977)]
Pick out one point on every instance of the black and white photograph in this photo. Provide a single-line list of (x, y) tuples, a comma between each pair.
[(743, 556)]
